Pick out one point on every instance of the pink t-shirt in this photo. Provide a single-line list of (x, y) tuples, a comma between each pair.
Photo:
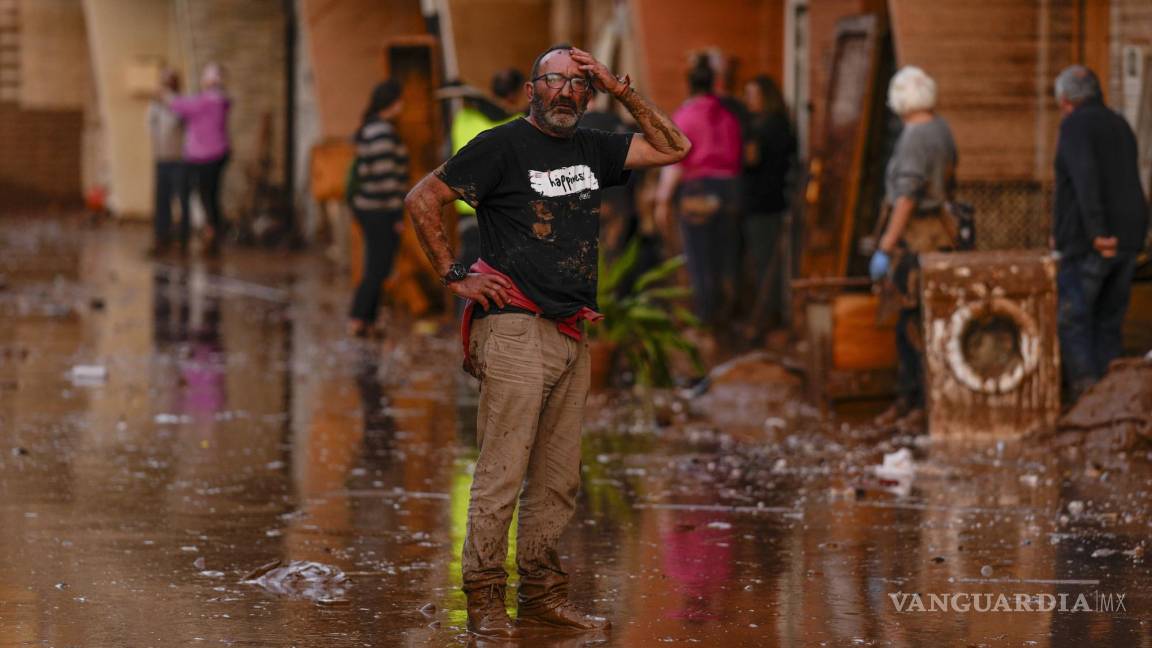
[(715, 135), (205, 125)]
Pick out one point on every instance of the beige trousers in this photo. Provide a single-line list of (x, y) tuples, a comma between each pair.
[(533, 385)]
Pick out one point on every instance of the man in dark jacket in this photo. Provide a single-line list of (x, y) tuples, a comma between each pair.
[(1099, 226)]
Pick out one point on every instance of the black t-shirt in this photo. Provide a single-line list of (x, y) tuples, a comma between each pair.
[(537, 198)]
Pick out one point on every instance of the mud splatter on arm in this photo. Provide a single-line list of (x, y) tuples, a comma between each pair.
[(663, 142), (425, 204)]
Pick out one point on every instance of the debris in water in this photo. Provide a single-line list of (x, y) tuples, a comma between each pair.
[(164, 419), (1115, 415), (719, 525), (88, 374), (986, 571), (897, 465), (317, 582), (894, 474), (1103, 553)]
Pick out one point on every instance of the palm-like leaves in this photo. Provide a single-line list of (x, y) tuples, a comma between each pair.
[(644, 323)]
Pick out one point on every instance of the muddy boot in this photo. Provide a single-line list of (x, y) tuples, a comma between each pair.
[(487, 616), (547, 606)]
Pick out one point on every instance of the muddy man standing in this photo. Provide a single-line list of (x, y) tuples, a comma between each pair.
[(535, 183)]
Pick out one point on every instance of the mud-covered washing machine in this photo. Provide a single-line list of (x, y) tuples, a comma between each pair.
[(990, 340)]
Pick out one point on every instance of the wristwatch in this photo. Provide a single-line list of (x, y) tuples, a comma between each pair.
[(456, 272)]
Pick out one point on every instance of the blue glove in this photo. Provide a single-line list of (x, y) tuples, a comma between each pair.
[(878, 266)]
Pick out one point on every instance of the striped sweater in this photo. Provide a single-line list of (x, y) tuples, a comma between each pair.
[(381, 167)]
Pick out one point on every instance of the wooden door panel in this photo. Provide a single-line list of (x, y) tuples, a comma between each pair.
[(415, 62)]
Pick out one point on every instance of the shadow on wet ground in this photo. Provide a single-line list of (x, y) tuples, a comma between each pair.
[(168, 427)]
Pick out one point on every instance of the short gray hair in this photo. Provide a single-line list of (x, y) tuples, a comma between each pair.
[(911, 90), (1076, 84)]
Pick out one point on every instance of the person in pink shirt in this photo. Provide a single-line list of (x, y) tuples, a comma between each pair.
[(705, 189), (206, 143)]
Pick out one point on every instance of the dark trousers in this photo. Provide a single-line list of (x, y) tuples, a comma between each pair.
[(380, 243), (763, 268), (909, 368), (208, 177), (709, 211), (171, 180), (1093, 294)]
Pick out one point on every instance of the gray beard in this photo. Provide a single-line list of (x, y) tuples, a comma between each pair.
[(559, 124)]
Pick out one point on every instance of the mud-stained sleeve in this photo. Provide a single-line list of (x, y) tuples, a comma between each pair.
[(476, 169)]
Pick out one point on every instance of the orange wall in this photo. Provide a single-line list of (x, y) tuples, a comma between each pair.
[(523, 32), (751, 31), (345, 39)]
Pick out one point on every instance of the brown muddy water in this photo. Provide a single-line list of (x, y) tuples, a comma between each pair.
[(169, 427)]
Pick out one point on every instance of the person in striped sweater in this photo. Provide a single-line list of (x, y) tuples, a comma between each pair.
[(381, 181)]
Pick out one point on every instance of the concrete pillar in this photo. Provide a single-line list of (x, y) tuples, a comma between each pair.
[(127, 40)]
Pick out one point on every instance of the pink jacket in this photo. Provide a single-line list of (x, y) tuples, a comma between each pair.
[(715, 135)]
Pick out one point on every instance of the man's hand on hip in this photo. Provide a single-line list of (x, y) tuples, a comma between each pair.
[(1105, 245), (483, 289)]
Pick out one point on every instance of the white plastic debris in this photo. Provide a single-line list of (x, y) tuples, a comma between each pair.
[(897, 466), (1029, 480), (719, 525), (172, 419), (897, 472), (775, 423), (88, 374)]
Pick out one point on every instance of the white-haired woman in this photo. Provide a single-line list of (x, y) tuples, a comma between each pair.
[(919, 182)]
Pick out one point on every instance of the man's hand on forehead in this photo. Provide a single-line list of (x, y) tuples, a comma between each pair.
[(602, 78)]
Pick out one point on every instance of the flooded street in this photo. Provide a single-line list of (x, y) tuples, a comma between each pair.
[(169, 427)]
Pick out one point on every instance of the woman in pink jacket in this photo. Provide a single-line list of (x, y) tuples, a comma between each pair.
[(206, 144), (705, 189)]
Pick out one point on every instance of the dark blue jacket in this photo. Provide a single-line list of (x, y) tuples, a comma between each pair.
[(1098, 190)]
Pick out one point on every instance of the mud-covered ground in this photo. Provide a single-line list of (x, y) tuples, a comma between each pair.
[(167, 427)]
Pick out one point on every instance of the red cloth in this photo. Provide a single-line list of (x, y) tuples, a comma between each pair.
[(569, 326), (715, 135)]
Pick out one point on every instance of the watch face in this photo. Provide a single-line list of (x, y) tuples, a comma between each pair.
[(456, 272)]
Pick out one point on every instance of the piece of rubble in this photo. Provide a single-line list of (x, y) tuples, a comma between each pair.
[(317, 582), (1115, 415)]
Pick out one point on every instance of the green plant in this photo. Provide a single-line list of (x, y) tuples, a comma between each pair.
[(645, 320)]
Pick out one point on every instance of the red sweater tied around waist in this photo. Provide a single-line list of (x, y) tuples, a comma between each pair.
[(569, 326)]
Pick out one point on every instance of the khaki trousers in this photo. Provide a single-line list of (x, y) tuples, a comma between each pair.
[(533, 385)]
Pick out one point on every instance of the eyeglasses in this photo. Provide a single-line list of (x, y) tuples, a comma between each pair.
[(557, 81)]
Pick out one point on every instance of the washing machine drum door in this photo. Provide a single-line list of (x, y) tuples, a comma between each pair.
[(992, 346)]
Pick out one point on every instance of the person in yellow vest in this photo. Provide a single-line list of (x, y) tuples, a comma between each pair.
[(479, 113)]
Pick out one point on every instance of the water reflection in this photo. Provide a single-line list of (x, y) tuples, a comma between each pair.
[(237, 426)]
